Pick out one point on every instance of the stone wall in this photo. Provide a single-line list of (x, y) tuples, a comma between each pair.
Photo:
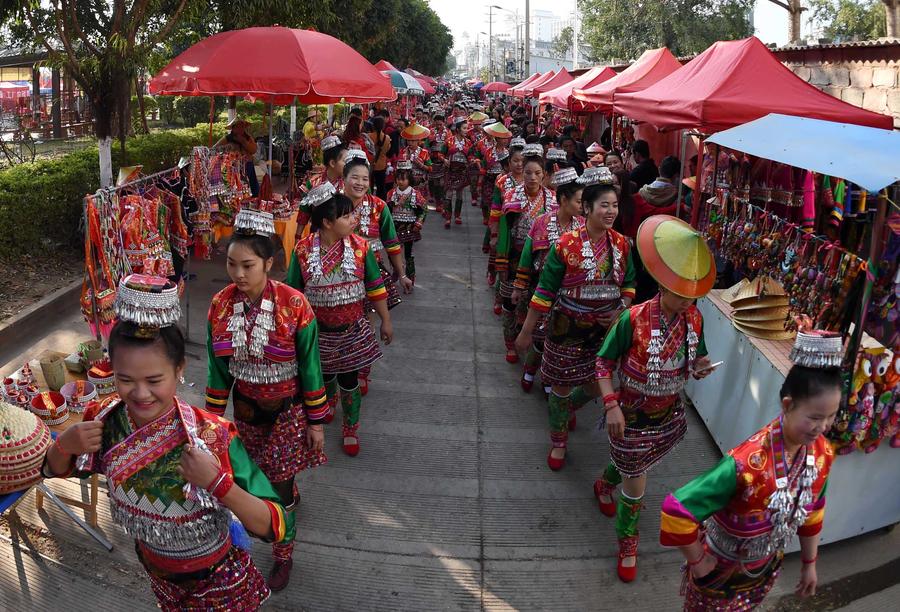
[(864, 74)]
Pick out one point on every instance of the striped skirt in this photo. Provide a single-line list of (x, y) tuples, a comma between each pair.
[(727, 589), (570, 350), (457, 177), (348, 350), (648, 436)]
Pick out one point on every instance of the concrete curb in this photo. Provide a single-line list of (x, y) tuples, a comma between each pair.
[(33, 320)]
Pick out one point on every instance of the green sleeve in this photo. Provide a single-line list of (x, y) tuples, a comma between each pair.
[(372, 271), (709, 493), (552, 273), (309, 370), (294, 277), (630, 274), (218, 379), (247, 475), (527, 257), (388, 232), (503, 237), (618, 338)]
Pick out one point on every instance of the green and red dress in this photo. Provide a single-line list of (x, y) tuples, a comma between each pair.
[(580, 281), (182, 534), (376, 224), (746, 509)]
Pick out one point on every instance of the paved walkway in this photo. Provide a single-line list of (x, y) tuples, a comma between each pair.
[(449, 506)]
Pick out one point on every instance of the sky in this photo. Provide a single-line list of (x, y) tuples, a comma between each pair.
[(471, 16)]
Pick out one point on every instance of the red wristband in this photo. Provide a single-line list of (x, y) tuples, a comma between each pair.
[(699, 559), (222, 489), (809, 561), (611, 397)]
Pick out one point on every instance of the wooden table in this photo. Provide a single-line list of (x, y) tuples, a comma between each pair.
[(93, 481)]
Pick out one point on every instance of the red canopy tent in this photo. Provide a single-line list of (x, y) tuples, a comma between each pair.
[(561, 97), (496, 87), (561, 78), (650, 67), (534, 77), (732, 83), (527, 90), (385, 65), (423, 78)]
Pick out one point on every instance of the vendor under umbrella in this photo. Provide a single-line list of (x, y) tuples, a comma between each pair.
[(239, 140)]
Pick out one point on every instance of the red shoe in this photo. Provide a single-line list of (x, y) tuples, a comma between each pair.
[(491, 281), (627, 548), (498, 309), (280, 575), (353, 448), (447, 224), (527, 384), (485, 249), (474, 203), (512, 357), (553, 463), (601, 487), (572, 423), (439, 209), (458, 221), (329, 417)]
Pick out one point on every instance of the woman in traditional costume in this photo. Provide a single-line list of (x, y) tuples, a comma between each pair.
[(490, 152), (415, 153), (337, 271), (175, 473), (506, 181), (475, 134), (262, 347), (586, 281), (543, 236), (733, 523), (408, 209), (437, 145), (521, 206), (656, 346), (459, 156)]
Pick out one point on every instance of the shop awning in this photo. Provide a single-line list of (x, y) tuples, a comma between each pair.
[(863, 155), (732, 83), (561, 97), (531, 79), (560, 78), (650, 67)]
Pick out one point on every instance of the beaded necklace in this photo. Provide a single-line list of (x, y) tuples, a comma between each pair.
[(786, 512), (348, 261)]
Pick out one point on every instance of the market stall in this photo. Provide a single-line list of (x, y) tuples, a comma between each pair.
[(802, 217), (523, 89), (561, 97), (560, 78)]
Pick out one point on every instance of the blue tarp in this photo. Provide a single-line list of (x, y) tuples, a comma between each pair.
[(866, 156)]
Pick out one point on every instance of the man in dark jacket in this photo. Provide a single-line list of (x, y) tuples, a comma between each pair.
[(645, 170)]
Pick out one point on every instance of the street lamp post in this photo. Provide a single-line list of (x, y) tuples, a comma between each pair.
[(490, 43), (527, 51), (516, 16)]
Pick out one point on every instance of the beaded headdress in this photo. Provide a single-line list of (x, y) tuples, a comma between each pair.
[(815, 348), (564, 177), (319, 195), (504, 154), (252, 221), (517, 142), (597, 175), (533, 150), (557, 155), (330, 142), (404, 165), (151, 302)]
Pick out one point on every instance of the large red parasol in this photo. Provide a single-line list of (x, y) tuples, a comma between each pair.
[(496, 87), (275, 64)]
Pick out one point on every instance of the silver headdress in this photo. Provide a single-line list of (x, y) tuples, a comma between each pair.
[(330, 142), (148, 301), (597, 175), (533, 150), (517, 142), (556, 155), (355, 154), (250, 221), (564, 176), (818, 349), (404, 165), (319, 195)]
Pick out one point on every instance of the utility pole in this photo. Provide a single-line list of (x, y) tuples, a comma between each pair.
[(527, 50), (576, 30), (490, 43)]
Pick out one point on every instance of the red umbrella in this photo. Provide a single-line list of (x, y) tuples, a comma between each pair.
[(385, 65), (276, 64), (423, 78), (496, 87)]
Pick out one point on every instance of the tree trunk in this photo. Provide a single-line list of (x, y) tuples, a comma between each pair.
[(140, 96), (892, 18), (104, 146), (794, 29)]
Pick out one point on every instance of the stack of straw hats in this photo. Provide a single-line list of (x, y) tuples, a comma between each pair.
[(760, 308), (24, 440)]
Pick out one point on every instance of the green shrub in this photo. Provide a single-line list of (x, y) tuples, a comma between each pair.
[(41, 203)]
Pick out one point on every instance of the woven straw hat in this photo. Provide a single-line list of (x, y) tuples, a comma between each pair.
[(765, 334), (497, 130), (414, 131), (765, 313), (676, 256), (24, 440)]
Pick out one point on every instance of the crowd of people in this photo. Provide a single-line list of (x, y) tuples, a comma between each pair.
[(595, 283)]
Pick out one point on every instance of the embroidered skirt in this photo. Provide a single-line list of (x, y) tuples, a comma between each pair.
[(390, 285), (727, 589), (649, 436), (457, 177), (407, 232), (275, 436), (348, 350), (487, 190), (570, 349), (234, 583)]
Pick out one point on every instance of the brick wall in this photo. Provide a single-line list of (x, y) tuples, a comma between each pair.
[(863, 74)]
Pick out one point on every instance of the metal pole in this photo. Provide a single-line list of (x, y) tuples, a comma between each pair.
[(684, 137), (490, 43), (576, 29), (271, 107), (527, 50)]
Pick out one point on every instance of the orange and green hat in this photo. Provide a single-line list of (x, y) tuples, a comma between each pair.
[(477, 117), (497, 130), (414, 131), (676, 256)]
